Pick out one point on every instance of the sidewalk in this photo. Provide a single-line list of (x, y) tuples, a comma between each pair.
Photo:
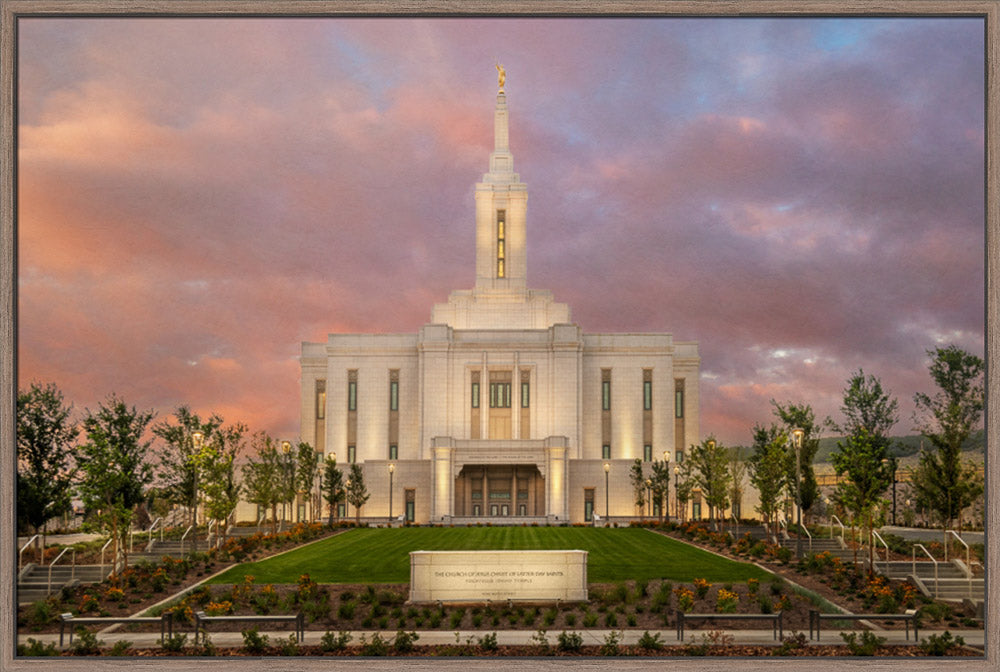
[(150, 640)]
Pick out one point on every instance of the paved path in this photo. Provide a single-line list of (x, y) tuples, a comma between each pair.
[(149, 640), (924, 534)]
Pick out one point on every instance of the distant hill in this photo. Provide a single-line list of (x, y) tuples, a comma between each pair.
[(903, 446)]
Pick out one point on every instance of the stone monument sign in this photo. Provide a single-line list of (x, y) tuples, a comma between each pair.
[(478, 576)]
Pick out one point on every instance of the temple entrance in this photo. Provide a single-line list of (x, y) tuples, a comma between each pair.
[(499, 491)]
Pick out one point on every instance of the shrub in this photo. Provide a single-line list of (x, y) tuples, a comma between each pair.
[(753, 585), (571, 619), (764, 602), (939, 645), (346, 610), (376, 647), (685, 600), (589, 619), (174, 643), (612, 640), (795, 641), (331, 642), (610, 620), (488, 642), (33, 647), (404, 641), (540, 641), (254, 642), (570, 641), (290, 646), (86, 642), (726, 601), (120, 647), (456, 618), (865, 646), (650, 642), (701, 587)]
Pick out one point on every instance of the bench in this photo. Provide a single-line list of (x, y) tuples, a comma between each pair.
[(816, 618), (200, 620), (776, 621), (166, 621)]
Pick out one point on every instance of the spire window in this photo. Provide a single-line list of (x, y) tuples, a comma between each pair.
[(501, 240)]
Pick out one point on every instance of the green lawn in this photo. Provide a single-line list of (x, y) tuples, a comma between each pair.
[(381, 555)]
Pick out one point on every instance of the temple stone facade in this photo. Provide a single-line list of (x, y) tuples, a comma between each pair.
[(501, 408)]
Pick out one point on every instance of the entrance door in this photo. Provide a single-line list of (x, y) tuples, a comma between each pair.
[(504, 510), (494, 510), (500, 405)]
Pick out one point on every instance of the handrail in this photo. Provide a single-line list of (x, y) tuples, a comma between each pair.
[(968, 563), (803, 528), (103, 548), (834, 517), (208, 532), (158, 521), (737, 521), (921, 547), (41, 560), (48, 588), (879, 537), (184, 536)]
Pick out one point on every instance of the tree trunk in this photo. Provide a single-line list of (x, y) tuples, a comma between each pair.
[(274, 518)]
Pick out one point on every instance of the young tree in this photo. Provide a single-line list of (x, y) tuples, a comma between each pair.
[(178, 472), (262, 476), (863, 454), (661, 486), (306, 470), (942, 482), (357, 493), (767, 472), (638, 480), (737, 475), (216, 464), (709, 467), (685, 486), (113, 467), (333, 486), (45, 436), (792, 417)]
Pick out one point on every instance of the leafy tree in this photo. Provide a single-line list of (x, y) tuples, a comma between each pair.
[(333, 486), (113, 467), (863, 455), (660, 490), (794, 416), (942, 482), (262, 476), (216, 463), (306, 471), (357, 493), (768, 467), (737, 474), (685, 486), (709, 465), (45, 436), (178, 468), (638, 480)]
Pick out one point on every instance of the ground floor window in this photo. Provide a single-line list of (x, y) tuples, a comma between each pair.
[(410, 496), (588, 504), (647, 453), (605, 452)]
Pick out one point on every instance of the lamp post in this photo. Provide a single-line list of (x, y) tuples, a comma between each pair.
[(347, 502), (607, 499), (392, 468), (198, 439), (797, 435), (677, 499), (286, 447)]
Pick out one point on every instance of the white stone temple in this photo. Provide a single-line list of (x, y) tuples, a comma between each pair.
[(501, 408)]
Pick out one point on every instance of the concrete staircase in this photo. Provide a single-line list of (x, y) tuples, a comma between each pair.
[(823, 545), (952, 583), (33, 582), (170, 547)]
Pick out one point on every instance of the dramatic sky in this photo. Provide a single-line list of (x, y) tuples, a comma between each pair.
[(197, 197)]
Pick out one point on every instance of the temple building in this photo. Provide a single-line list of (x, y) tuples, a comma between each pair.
[(500, 408)]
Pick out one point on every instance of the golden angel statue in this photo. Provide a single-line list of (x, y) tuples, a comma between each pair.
[(501, 76)]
